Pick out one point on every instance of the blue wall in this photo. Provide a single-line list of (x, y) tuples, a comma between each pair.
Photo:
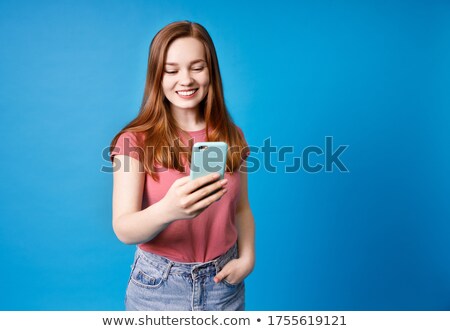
[(373, 75)]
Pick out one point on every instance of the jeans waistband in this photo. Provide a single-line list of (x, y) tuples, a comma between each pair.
[(172, 267)]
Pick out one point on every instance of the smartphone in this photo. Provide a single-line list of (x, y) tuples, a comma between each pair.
[(208, 157)]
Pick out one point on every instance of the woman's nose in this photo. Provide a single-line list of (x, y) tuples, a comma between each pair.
[(186, 78)]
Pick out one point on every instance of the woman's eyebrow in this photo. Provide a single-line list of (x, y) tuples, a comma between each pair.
[(195, 61)]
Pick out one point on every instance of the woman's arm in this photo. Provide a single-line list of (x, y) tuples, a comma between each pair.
[(245, 223), (182, 201), (131, 224), (236, 270)]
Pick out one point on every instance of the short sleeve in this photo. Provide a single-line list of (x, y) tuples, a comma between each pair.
[(245, 152), (127, 145)]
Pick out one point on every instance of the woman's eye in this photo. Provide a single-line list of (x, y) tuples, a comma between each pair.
[(170, 72), (198, 69)]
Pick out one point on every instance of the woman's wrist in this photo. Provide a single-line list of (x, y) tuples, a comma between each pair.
[(165, 211), (248, 259)]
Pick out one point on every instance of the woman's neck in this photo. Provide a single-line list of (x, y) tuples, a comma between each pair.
[(188, 119)]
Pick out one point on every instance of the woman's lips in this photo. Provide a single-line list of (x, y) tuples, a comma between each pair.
[(187, 94)]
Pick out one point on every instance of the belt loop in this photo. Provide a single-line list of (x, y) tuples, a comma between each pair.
[(167, 270), (216, 264)]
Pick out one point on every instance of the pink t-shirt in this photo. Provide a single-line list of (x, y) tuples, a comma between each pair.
[(200, 239)]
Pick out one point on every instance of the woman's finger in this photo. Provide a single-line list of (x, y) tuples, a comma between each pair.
[(221, 275), (195, 184), (206, 202), (182, 181), (206, 191)]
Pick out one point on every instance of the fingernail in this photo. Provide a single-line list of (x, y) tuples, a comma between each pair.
[(225, 190), (223, 182), (216, 176)]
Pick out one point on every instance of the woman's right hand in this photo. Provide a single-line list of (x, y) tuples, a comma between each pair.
[(185, 199)]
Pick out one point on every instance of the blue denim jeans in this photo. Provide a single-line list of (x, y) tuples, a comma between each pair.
[(157, 283)]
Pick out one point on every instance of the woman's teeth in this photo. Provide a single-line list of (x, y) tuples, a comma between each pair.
[(186, 93)]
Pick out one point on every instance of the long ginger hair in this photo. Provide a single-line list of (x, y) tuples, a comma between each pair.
[(156, 122)]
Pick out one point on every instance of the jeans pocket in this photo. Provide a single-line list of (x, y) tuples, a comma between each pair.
[(147, 275), (232, 285)]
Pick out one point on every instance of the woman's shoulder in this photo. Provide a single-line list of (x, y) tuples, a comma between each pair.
[(128, 143), (241, 132)]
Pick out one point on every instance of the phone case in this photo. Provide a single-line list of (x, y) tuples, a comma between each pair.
[(208, 157)]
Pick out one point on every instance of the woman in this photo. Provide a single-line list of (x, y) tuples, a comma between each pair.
[(195, 238)]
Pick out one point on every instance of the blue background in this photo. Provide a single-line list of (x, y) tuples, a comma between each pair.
[(373, 75)]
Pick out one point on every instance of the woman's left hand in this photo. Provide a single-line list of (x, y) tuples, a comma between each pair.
[(235, 271)]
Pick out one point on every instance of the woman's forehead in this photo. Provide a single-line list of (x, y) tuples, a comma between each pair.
[(185, 50)]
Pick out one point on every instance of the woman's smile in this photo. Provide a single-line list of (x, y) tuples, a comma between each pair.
[(187, 94)]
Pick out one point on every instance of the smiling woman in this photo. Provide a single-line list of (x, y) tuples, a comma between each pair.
[(195, 238)]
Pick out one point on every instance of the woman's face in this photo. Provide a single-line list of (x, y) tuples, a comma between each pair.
[(186, 77)]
